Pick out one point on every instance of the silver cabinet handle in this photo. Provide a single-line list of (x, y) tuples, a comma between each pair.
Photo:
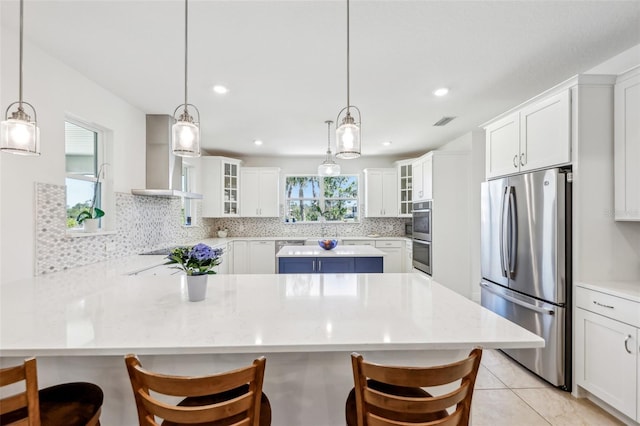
[(313, 268), (319, 265), (522, 163), (603, 305), (626, 348), (515, 159)]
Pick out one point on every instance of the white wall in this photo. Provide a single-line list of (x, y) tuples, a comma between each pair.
[(55, 90)]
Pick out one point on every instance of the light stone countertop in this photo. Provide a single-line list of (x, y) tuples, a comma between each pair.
[(97, 311), (625, 289), (316, 251)]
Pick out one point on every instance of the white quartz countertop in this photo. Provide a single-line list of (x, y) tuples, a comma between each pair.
[(339, 251), (625, 289), (97, 311)]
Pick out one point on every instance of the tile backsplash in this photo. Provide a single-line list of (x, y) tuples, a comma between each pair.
[(146, 223)]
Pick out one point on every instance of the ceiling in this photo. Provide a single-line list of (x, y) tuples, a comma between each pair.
[(284, 62)]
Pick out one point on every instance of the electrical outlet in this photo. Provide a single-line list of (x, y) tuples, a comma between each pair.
[(109, 246)]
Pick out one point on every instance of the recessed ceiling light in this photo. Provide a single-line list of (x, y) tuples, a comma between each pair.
[(387, 143), (257, 142), (441, 91), (220, 89)]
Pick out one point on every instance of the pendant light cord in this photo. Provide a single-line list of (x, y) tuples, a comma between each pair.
[(186, 44), (348, 85), (328, 136), (21, 31)]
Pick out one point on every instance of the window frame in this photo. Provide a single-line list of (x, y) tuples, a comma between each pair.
[(321, 199), (104, 200)]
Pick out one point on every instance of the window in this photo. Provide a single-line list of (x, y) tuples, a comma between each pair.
[(309, 198), (83, 159)]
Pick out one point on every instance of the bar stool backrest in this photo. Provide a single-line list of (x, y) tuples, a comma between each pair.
[(375, 407), (27, 373), (246, 405)]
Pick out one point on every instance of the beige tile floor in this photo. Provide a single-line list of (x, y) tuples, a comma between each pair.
[(507, 394)]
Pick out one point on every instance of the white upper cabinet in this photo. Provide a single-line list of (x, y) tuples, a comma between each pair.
[(220, 186), (627, 145), (405, 188), (535, 137), (422, 180), (259, 191), (381, 193)]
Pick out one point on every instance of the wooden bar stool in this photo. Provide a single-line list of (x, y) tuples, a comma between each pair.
[(224, 399), (68, 404), (393, 395)]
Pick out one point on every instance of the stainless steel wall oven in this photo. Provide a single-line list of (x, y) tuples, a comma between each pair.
[(421, 224)]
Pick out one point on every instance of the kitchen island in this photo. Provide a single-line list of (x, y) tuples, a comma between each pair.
[(80, 323), (316, 260)]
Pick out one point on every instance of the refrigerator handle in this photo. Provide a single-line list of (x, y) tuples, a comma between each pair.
[(513, 234), (517, 301), (503, 232)]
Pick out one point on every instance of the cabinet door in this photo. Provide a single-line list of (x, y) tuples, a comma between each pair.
[(335, 265), (240, 256), (262, 257), (405, 190), (269, 185), (545, 133), (296, 265), (627, 148), (607, 359), (231, 186), (390, 193), (373, 193), (250, 194), (503, 146), (369, 265), (418, 190)]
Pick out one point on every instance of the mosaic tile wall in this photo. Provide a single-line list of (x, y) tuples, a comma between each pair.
[(274, 227), (142, 223), (147, 223)]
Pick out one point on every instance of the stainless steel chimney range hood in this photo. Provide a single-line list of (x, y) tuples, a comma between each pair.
[(164, 170)]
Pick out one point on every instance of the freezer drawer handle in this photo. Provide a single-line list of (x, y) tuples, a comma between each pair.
[(626, 340), (518, 302), (603, 305)]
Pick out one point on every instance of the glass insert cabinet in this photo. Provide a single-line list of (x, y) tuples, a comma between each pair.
[(405, 186)]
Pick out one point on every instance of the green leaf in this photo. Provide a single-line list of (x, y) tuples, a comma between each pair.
[(98, 213), (83, 215)]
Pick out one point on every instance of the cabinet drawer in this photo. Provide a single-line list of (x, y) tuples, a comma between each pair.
[(388, 244), (358, 243), (614, 307)]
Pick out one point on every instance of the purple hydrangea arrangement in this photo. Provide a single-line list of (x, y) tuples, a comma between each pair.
[(196, 260)]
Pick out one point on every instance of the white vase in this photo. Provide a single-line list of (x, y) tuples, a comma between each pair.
[(90, 225), (197, 287)]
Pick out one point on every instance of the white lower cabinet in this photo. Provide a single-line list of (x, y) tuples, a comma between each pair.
[(394, 251), (223, 267), (254, 257), (607, 361), (408, 256)]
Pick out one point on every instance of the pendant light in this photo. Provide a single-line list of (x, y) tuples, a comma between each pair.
[(19, 134), (348, 132), (329, 167), (185, 133)]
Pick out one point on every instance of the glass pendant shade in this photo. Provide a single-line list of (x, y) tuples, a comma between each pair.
[(19, 136), (185, 139), (348, 139), (329, 169)]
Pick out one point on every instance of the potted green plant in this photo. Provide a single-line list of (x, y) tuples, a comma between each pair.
[(90, 218)]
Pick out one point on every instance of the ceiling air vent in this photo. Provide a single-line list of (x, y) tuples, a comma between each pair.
[(443, 121)]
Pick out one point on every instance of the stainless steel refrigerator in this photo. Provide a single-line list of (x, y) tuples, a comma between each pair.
[(526, 264)]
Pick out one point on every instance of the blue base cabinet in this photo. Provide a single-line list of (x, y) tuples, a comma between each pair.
[(329, 265)]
